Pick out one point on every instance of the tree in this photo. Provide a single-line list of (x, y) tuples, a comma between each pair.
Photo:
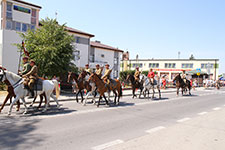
[(51, 47)]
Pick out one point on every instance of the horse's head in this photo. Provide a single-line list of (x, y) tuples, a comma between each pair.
[(92, 77), (2, 75), (71, 75), (177, 78), (130, 77)]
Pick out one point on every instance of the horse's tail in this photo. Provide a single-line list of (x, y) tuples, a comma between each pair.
[(57, 90)]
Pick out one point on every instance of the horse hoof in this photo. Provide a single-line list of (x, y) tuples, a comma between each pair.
[(84, 104), (9, 113), (24, 113)]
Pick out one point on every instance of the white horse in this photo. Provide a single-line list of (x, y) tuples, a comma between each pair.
[(148, 86), (20, 92)]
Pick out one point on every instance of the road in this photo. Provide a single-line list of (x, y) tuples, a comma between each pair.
[(77, 127)]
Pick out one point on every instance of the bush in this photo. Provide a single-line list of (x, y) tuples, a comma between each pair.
[(123, 74)]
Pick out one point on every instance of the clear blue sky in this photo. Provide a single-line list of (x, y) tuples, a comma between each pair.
[(150, 28)]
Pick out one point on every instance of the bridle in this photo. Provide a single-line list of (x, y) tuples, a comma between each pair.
[(2, 75)]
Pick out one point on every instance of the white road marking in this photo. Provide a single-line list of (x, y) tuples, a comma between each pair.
[(155, 129), (184, 119), (107, 145), (202, 113), (216, 108)]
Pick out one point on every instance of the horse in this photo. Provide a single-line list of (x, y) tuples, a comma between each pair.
[(81, 84), (18, 87), (149, 85), (11, 95), (135, 85), (181, 84), (114, 86)]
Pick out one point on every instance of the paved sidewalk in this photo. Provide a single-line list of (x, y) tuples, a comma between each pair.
[(206, 132)]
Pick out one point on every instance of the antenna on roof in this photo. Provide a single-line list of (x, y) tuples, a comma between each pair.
[(56, 14)]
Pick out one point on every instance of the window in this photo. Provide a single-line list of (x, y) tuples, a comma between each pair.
[(9, 11), (9, 25), (202, 65), (157, 65), (170, 65), (18, 26), (24, 27), (33, 14), (77, 39), (153, 65), (102, 55), (32, 27), (115, 60), (187, 66)]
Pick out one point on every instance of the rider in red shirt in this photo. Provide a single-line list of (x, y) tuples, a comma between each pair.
[(151, 75)]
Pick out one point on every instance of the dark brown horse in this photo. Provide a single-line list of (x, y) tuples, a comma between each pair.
[(135, 85), (81, 83), (181, 84), (114, 86)]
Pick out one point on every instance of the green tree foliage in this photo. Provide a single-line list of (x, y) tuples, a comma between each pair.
[(51, 47)]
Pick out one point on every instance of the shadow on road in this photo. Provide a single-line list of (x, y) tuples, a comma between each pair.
[(16, 132)]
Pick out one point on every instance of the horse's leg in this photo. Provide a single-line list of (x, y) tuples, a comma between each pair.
[(189, 90), (178, 91), (5, 101), (55, 99), (159, 92), (109, 96), (86, 97), (82, 99), (99, 100), (48, 100), (24, 103), (18, 104), (41, 100), (115, 96), (77, 96), (107, 103), (33, 101), (182, 91), (141, 89), (133, 93), (153, 92)]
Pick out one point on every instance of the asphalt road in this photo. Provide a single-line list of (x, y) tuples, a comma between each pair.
[(77, 127)]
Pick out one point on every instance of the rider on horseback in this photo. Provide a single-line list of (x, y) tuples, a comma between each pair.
[(137, 75), (31, 77), (106, 76), (151, 76), (98, 71), (87, 69), (184, 76), (26, 66)]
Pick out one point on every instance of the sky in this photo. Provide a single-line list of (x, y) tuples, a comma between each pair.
[(149, 28)]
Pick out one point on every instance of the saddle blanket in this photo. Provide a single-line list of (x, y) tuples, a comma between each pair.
[(38, 86)]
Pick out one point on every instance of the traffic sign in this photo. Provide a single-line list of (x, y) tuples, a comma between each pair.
[(198, 70)]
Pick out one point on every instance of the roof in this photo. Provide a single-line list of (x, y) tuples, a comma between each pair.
[(27, 3), (100, 45), (175, 59), (78, 31)]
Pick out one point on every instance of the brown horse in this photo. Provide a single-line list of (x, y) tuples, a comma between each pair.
[(81, 84), (114, 86), (181, 84)]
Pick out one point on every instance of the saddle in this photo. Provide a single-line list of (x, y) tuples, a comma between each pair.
[(38, 85)]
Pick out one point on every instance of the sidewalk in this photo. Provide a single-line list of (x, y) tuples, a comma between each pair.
[(201, 133)]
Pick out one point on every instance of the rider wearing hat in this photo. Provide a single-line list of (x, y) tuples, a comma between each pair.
[(151, 75), (106, 75), (26, 66), (137, 74), (87, 69), (98, 70), (31, 77)]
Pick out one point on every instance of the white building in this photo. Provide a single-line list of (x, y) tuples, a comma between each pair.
[(170, 67), (16, 16), (103, 54)]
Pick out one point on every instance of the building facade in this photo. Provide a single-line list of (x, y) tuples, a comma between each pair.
[(103, 54), (16, 16), (171, 67)]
